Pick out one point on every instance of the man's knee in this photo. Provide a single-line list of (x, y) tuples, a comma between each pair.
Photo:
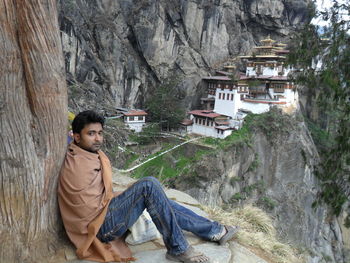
[(150, 179)]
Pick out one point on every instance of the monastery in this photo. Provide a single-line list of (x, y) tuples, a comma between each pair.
[(135, 119), (232, 96)]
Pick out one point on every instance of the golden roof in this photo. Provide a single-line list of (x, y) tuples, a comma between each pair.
[(268, 41)]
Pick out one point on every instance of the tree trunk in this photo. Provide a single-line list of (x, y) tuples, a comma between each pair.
[(33, 123)]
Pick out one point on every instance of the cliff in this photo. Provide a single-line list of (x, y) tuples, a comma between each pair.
[(274, 169), (117, 52)]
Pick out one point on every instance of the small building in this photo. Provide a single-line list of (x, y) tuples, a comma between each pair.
[(135, 119), (209, 123), (186, 126)]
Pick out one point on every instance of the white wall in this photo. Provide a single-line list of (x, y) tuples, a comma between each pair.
[(267, 71), (204, 130), (137, 126), (224, 135), (255, 107), (136, 119), (226, 106), (250, 71), (289, 94), (210, 131)]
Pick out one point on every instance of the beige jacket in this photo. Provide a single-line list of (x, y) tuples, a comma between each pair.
[(84, 192)]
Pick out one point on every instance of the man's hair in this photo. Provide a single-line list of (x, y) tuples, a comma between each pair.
[(84, 118)]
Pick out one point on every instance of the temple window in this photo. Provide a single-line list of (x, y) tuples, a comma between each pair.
[(279, 87), (259, 69)]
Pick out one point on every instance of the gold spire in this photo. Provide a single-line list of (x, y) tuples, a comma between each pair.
[(268, 41)]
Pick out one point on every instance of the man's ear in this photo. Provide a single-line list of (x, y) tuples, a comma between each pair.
[(76, 137)]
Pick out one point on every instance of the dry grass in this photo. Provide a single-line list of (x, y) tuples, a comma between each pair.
[(257, 232)]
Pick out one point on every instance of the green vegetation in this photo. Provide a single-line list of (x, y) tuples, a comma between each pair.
[(147, 135), (255, 164), (328, 85), (254, 83), (248, 190), (327, 258), (237, 138), (267, 203), (321, 137), (164, 167), (235, 179), (130, 160), (177, 163), (166, 104), (237, 197), (274, 124), (260, 186)]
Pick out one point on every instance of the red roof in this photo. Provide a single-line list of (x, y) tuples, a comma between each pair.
[(217, 78), (285, 51), (222, 122), (187, 122), (205, 113), (208, 99), (135, 113), (223, 128), (225, 73), (264, 101), (262, 77)]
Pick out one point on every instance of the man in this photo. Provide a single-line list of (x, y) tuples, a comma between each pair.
[(96, 219)]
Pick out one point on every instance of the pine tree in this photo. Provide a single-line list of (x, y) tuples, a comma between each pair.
[(323, 57), (166, 104)]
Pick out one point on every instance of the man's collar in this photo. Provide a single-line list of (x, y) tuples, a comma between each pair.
[(75, 149)]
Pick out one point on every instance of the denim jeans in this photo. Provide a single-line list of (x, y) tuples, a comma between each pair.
[(169, 217)]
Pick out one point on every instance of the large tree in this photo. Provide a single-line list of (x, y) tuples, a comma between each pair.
[(33, 121), (323, 54), (166, 104)]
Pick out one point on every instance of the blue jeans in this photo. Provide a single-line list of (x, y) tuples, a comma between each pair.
[(169, 217)]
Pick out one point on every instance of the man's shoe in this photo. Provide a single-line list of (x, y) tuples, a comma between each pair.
[(230, 232)]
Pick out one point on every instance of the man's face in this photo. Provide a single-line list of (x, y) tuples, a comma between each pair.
[(90, 137)]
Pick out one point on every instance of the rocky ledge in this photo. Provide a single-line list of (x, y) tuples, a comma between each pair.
[(154, 251)]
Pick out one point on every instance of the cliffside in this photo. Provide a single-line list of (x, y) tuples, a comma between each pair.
[(275, 171), (116, 52)]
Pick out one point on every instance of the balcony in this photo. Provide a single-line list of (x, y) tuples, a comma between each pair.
[(258, 89)]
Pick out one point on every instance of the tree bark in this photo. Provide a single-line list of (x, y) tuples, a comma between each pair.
[(33, 123)]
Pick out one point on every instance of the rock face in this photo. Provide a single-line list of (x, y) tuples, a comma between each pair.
[(116, 52), (274, 171)]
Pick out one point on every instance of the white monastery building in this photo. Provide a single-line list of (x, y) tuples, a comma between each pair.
[(264, 84), (135, 119), (209, 123)]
